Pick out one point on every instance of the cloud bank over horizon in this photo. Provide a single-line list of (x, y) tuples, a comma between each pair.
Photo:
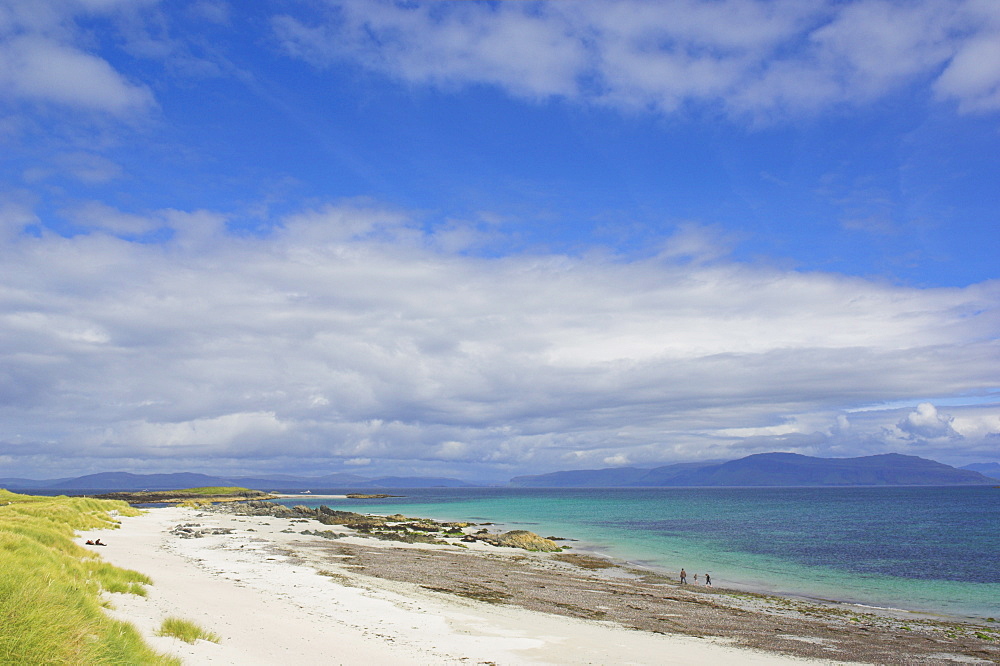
[(490, 239), (348, 334)]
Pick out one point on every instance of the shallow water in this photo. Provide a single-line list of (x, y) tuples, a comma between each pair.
[(927, 549)]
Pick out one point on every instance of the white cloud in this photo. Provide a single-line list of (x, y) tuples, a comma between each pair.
[(213, 11), (973, 75), (40, 69), (89, 168), (697, 243), (85, 167), (977, 426), (232, 434), (16, 212), (761, 58), (452, 450), (926, 422), (96, 215), (469, 42), (331, 341), (344, 222)]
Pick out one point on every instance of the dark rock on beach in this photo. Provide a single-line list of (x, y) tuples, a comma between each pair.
[(196, 531)]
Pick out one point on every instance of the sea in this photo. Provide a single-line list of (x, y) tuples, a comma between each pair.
[(932, 550)]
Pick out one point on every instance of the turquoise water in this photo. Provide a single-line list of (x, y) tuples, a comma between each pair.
[(935, 550)]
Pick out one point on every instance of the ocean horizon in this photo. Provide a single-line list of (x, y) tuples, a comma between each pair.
[(925, 549)]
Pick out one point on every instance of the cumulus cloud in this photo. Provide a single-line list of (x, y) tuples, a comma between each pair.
[(926, 422), (45, 58), (330, 342), (39, 69), (759, 58)]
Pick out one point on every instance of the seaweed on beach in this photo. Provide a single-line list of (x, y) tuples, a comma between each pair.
[(585, 561), (477, 592)]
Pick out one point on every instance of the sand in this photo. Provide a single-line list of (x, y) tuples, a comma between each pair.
[(270, 607)]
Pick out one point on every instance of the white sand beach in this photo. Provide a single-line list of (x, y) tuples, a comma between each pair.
[(272, 601)]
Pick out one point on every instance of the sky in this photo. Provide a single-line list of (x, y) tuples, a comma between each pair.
[(486, 239)]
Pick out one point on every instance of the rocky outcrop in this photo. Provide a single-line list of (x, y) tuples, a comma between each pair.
[(521, 539), (196, 531), (396, 527)]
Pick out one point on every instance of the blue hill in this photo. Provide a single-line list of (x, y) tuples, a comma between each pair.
[(125, 481), (771, 469), (991, 469)]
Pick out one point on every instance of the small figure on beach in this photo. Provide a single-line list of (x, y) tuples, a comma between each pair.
[(89, 542), (684, 577), (708, 580), (99, 543), (696, 579)]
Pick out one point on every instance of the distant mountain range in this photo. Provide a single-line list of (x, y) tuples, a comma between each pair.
[(991, 470), (124, 481), (765, 469), (770, 469)]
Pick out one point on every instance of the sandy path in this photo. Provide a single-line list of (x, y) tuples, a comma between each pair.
[(270, 608)]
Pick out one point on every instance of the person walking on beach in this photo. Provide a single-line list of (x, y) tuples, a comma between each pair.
[(684, 577), (708, 580)]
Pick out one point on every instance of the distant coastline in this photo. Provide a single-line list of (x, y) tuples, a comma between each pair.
[(763, 470), (774, 470)]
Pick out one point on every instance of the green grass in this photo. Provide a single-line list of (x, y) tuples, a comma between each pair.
[(215, 490), (50, 606), (185, 630)]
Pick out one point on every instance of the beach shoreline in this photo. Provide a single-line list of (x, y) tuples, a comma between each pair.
[(830, 545), (276, 595)]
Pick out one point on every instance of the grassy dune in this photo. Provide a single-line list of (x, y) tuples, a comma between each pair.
[(50, 607), (187, 496), (217, 490)]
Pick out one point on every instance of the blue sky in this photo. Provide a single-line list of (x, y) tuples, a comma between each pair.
[(487, 239)]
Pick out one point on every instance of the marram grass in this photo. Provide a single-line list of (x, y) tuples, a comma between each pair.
[(185, 630), (50, 606)]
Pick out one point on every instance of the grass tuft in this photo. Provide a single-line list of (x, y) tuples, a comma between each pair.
[(185, 630)]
